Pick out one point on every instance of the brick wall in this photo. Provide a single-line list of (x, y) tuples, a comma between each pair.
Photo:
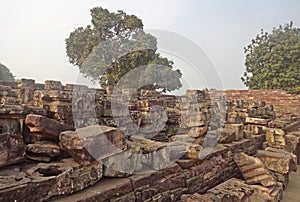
[(184, 177), (282, 101)]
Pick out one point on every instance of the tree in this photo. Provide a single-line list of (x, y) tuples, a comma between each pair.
[(5, 74), (114, 45), (273, 60)]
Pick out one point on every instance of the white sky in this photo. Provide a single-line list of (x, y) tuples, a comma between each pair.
[(33, 32)]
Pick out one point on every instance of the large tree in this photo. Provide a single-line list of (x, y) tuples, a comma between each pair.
[(5, 74), (273, 60), (114, 45)]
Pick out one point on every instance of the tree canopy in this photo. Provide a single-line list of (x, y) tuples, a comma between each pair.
[(5, 74), (115, 44), (273, 60)]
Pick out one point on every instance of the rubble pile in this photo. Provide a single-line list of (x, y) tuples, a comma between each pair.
[(57, 140)]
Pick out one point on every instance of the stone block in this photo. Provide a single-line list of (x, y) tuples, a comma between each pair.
[(238, 130), (233, 118), (255, 129), (278, 160), (225, 135), (247, 134), (12, 149), (256, 121), (253, 170), (42, 151), (45, 180), (292, 127), (275, 137), (11, 126), (25, 83), (52, 85), (195, 132), (45, 126), (92, 143), (238, 191), (291, 142)]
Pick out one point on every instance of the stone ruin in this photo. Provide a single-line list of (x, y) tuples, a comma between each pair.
[(73, 143)]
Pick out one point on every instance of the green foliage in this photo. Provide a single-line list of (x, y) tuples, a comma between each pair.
[(273, 60), (114, 45), (5, 74)]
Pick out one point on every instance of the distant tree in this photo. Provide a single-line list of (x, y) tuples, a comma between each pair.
[(5, 74), (273, 60), (115, 44)]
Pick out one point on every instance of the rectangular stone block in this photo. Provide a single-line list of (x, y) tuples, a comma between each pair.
[(12, 149), (52, 85), (45, 126), (278, 160), (275, 137), (238, 130), (226, 135), (257, 121), (92, 143)]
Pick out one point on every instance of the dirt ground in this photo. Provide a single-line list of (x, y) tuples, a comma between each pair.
[(292, 193)]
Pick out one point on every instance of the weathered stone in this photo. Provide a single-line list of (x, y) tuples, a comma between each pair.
[(255, 129), (283, 178), (254, 170), (182, 138), (192, 151), (105, 190), (155, 155), (199, 198), (52, 85), (11, 126), (278, 160), (277, 124), (197, 131), (123, 164), (233, 118), (275, 137), (45, 126), (292, 127), (247, 134), (237, 191), (256, 121), (193, 119), (25, 83), (291, 142), (46, 180), (12, 149), (92, 143), (42, 151), (238, 130), (225, 135)]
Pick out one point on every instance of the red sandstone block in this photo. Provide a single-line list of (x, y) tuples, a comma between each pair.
[(45, 126), (12, 149)]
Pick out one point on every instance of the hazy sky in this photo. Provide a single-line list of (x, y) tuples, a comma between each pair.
[(33, 32)]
